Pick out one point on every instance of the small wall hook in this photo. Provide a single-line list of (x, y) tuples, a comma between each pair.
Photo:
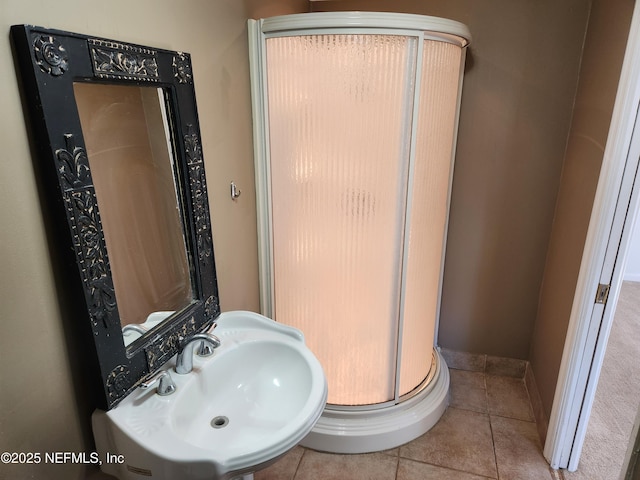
[(235, 191)]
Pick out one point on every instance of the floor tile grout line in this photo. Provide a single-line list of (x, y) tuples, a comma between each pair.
[(488, 412), (397, 464), (526, 389), (444, 467), (295, 473), (511, 418), (493, 440), (496, 414)]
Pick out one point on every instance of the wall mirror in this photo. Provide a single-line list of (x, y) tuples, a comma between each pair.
[(117, 142)]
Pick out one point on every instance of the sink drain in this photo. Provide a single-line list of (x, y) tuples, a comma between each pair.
[(219, 422)]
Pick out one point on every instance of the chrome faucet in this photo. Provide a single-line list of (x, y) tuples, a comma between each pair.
[(166, 386), (184, 361)]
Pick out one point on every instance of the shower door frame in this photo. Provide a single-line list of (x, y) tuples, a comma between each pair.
[(413, 26)]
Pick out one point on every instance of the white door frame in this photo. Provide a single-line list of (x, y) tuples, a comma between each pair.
[(610, 226)]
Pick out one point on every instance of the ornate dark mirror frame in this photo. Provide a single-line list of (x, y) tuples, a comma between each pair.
[(50, 61)]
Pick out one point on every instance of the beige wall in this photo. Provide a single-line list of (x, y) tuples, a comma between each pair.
[(42, 407), (599, 74), (519, 88)]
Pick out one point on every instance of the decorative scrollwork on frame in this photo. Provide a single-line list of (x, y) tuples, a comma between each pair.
[(50, 55), (82, 208), (73, 165), (211, 307), (118, 60), (159, 352), (92, 255), (182, 68), (192, 147), (199, 200), (118, 382)]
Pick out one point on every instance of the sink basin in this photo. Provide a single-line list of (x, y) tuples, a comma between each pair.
[(238, 411)]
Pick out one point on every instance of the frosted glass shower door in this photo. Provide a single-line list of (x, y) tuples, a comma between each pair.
[(340, 110), (428, 207)]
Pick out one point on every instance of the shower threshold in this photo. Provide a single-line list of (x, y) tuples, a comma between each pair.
[(377, 429)]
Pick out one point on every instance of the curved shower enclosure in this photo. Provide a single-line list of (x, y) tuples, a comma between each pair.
[(355, 122)]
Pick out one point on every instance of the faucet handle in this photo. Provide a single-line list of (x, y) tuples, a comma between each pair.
[(205, 349), (166, 385)]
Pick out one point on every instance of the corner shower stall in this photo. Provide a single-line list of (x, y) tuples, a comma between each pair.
[(355, 122)]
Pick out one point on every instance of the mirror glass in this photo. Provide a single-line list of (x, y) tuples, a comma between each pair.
[(131, 157)]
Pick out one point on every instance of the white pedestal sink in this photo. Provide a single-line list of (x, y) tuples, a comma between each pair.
[(237, 412)]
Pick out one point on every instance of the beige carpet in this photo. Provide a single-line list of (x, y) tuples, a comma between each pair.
[(617, 395)]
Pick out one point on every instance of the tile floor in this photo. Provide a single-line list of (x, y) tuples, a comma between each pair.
[(488, 432)]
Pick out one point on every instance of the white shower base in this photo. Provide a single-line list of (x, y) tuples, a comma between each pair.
[(363, 431)]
